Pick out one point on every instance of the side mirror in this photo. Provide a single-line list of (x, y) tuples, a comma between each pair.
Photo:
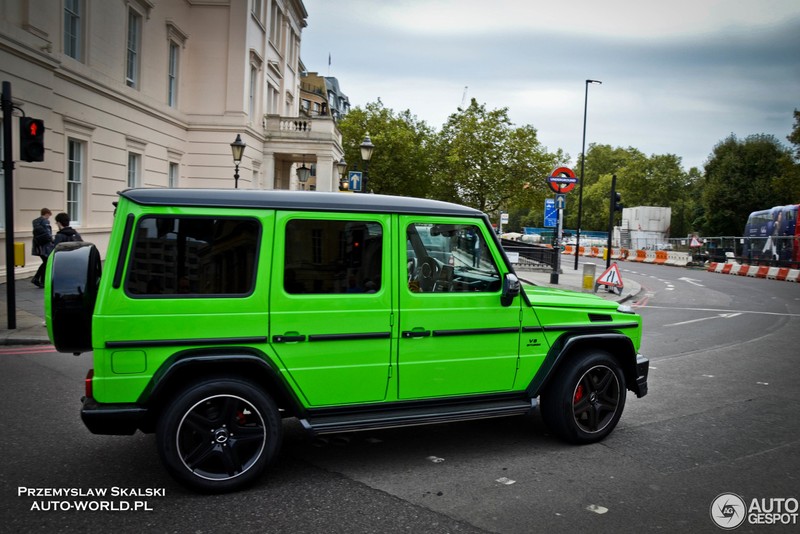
[(511, 288)]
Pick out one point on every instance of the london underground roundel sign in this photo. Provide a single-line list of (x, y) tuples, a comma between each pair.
[(562, 180)]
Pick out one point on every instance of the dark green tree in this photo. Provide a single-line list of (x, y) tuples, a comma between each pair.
[(742, 177), (794, 137), (402, 161), (483, 160)]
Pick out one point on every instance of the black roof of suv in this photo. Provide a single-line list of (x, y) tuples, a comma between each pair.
[(295, 200)]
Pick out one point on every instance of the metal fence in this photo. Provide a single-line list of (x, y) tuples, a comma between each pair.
[(773, 251)]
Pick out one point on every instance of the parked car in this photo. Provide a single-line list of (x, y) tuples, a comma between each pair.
[(220, 312)]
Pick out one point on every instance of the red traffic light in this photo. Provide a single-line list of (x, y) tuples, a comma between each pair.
[(31, 139)]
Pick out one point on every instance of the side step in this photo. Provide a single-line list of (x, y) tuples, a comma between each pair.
[(398, 417)]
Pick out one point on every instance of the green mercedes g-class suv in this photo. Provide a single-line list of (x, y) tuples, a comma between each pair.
[(219, 312)]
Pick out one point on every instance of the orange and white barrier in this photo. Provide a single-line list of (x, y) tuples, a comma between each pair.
[(756, 271)]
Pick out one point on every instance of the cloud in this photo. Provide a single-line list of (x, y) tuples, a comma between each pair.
[(677, 80)]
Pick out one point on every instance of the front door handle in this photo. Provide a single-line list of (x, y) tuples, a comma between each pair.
[(417, 332), (288, 338)]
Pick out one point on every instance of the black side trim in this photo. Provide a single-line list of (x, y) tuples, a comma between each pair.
[(400, 414), (348, 337), (588, 328), (182, 342), (123, 251), (526, 329), (476, 331), (600, 318)]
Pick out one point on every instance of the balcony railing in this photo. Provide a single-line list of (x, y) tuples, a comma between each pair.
[(301, 127)]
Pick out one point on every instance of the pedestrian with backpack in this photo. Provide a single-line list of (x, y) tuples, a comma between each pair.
[(65, 232), (42, 244)]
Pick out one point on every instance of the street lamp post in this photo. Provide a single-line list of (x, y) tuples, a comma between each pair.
[(366, 154), (303, 173), (580, 184), (237, 148), (341, 166)]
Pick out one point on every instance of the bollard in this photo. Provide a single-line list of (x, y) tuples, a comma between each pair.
[(19, 254), (588, 276)]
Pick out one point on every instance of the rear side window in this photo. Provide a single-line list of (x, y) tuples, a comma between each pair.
[(324, 257), (193, 256)]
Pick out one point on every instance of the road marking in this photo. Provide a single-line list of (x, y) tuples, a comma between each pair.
[(779, 314), (692, 281), (720, 316), (29, 349)]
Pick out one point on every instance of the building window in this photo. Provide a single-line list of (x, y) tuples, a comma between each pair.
[(134, 165), (134, 47), (72, 28), (253, 86), (75, 151), (272, 100), (257, 9), (174, 170), (275, 27), (172, 75)]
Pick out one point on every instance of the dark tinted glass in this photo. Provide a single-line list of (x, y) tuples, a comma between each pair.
[(193, 256)]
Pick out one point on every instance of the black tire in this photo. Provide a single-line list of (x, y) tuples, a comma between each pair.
[(219, 435), (584, 401), (74, 269)]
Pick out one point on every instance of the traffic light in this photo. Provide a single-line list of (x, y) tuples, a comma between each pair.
[(31, 139), (616, 201)]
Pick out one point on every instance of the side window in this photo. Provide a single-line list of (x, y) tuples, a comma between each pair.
[(324, 257), (193, 256), (447, 258)]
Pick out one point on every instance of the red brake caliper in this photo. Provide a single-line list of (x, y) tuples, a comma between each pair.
[(578, 394)]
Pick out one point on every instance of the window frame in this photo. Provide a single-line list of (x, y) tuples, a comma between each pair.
[(133, 48), (173, 66), (73, 19), (129, 266), (134, 173), (317, 255), (74, 187)]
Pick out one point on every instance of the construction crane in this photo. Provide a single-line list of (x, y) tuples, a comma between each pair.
[(464, 97)]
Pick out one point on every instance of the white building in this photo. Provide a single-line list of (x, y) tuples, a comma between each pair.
[(151, 93), (644, 227)]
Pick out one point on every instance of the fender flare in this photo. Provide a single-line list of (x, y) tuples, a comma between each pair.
[(618, 344), (195, 364)]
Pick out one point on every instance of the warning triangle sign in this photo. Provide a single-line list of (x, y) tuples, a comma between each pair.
[(610, 277), (695, 243)]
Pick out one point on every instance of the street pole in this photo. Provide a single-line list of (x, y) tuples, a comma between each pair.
[(557, 244), (611, 211), (8, 173), (580, 184)]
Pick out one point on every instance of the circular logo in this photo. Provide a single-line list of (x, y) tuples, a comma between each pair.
[(728, 511)]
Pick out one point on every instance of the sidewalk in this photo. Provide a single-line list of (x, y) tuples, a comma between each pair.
[(30, 328), (572, 280), (30, 315)]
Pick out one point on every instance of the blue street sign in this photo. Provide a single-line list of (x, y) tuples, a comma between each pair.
[(355, 180), (550, 213), (561, 201)]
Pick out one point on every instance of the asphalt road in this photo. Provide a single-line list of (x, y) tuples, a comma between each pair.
[(720, 417)]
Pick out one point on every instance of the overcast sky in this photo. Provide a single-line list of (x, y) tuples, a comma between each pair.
[(678, 76)]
